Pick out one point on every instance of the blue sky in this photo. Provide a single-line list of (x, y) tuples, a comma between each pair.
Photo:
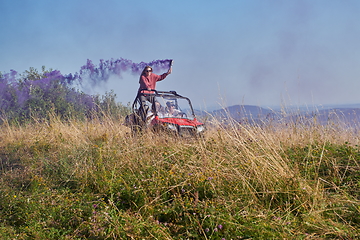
[(255, 52)]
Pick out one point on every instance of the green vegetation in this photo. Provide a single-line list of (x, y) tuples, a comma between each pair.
[(39, 95), (92, 179)]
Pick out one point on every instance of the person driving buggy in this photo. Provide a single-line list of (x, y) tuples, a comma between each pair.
[(159, 109), (171, 109)]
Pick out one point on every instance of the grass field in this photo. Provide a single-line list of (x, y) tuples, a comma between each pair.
[(94, 180)]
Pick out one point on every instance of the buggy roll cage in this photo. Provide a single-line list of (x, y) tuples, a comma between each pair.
[(160, 93), (156, 92)]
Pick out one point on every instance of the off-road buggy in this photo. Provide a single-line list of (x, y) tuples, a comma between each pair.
[(164, 111)]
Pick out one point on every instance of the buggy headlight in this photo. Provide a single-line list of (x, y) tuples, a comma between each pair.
[(200, 128), (172, 127)]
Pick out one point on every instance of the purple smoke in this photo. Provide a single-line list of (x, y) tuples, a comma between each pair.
[(6, 82), (15, 92), (105, 69)]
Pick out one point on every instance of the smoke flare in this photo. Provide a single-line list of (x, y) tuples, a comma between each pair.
[(105, 69)]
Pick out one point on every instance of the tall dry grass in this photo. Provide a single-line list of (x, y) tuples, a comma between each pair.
[(270, 180)]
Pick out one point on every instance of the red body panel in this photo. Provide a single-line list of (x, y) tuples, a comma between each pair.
[(177, 121)]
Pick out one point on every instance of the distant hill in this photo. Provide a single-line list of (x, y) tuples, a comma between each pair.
[(250, 113), (240, 112), (345, 115)]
